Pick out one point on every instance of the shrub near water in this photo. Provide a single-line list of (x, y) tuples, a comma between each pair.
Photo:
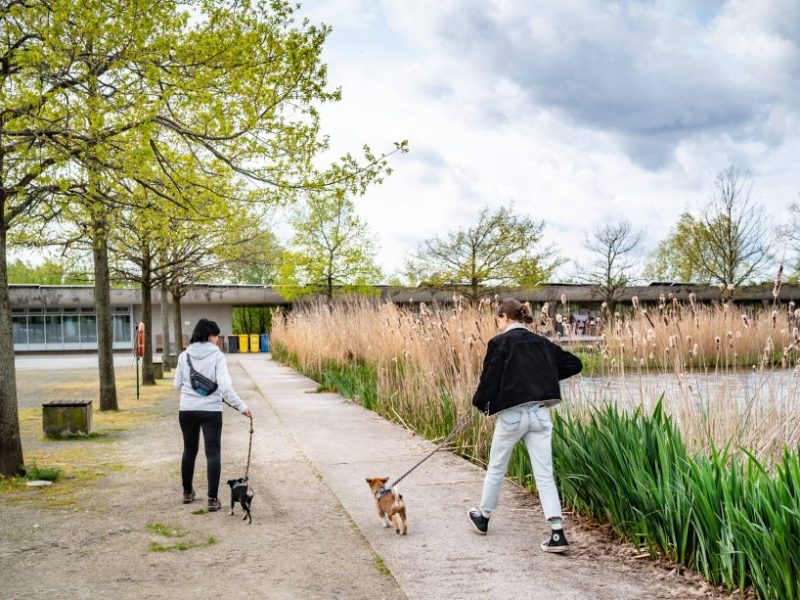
[(722, 512)]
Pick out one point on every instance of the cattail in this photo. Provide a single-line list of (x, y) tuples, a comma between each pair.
[(774, 318), (730, 287), (546, 308), (661, 300), (694, 350), (797, 313), (559, 318), (635, 302), (718, 342), (776, 289), (745, 321), (563, 298), (673, 341), (649, 320)]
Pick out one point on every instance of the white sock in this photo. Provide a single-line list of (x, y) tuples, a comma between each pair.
[(486, 513), (555, 523)]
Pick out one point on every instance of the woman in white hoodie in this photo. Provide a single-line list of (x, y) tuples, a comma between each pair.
[(204, 412)]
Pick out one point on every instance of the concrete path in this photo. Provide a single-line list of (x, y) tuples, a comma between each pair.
[(442, 557)]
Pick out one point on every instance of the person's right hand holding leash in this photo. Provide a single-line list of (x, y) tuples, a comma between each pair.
[(247, 413)]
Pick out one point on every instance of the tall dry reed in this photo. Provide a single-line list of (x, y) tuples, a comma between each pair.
[(428, 361)]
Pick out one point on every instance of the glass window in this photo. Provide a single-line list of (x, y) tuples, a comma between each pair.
[(35, 330), (122, 328), (20, 329), (53, 329), (88, 329), (71, 329)]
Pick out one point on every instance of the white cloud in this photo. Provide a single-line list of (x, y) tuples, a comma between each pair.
[(580, 112)]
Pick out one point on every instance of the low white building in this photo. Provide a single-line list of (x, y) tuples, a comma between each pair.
[(54, 318)]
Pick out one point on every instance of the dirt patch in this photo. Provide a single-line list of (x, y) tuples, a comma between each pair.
[(114, 526)]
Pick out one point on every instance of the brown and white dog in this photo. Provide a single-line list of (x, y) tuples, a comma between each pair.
[(391, 508)]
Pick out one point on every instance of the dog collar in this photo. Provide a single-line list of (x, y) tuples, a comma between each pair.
[(382, 492)]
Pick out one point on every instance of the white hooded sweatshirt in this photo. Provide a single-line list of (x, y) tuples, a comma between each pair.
[(209, 360)]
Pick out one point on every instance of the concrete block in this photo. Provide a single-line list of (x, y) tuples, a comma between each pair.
[(60, 418)]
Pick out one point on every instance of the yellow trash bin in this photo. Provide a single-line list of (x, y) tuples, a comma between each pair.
[(253, 343), (243, 346)]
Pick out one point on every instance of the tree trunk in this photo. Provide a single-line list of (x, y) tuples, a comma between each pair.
[(165, 354), (148, 374), (176, 313), (11, 461), (102, 303)]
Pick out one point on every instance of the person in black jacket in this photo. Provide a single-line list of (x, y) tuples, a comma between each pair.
[(519, 383)]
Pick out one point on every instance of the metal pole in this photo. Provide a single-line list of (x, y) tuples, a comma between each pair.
[(137, 376)]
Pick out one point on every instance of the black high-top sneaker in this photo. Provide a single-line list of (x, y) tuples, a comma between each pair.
[(557, 542), (479, 522)]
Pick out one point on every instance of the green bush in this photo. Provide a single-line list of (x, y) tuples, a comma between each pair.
[(36, 473)]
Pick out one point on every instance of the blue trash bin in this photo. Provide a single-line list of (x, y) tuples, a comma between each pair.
[(263, 345), (233, 343)]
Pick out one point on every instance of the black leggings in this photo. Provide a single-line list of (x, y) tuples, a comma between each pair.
[(211, 423)]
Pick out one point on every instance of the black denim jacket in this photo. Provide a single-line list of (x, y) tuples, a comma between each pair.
[(521, 366)]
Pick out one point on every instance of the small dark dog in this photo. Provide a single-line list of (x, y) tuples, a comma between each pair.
[(242, 492)]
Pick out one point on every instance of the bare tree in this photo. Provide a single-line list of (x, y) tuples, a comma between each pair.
[(731, 245), (790, 234), (612, 267)]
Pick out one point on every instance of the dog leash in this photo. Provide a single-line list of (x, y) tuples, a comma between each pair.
[(249, 449), (459, 426), (249, 445)]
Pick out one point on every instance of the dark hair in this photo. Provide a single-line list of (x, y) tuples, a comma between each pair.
[(204, 330), (516, 311)]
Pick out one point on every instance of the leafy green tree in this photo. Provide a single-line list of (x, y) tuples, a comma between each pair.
[(503, 250), (331, 248), (612, 248), (257, 260), (93, 92), (50, 272), (675, 257)]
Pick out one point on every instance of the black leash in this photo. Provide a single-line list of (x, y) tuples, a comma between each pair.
[(249, 449), (250, 444), (459, 426)]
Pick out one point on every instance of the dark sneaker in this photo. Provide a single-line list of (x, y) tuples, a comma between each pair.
[(214, 504), (479, 522), (188, 497), (557, 542)]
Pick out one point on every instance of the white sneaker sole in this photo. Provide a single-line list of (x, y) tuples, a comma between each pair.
[(554, 549)]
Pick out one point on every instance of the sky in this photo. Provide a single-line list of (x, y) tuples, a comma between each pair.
[(580, 112)]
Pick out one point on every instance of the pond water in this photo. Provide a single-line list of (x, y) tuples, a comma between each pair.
[(744, 387)]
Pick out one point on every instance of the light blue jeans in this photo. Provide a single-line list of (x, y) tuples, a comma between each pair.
[(530, 421)]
